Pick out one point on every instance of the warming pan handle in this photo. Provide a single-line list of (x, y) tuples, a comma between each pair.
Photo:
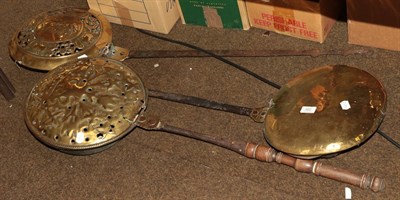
[(268, 154)]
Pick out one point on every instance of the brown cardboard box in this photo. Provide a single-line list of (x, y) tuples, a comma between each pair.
[(305, 19), (155, 15), (214, 13), (374, 23)]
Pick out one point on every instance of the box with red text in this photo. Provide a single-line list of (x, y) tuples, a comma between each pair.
[(305, 19)]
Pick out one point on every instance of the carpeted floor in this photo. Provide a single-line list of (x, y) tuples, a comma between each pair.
[(157, 165)]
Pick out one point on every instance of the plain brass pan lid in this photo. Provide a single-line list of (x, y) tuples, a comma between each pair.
[(324, 111)]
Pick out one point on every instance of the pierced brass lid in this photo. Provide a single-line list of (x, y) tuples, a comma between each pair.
[(325, 111), (83, 106), (56, 37)]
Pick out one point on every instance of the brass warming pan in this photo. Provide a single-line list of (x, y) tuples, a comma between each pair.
[(85, 106), (321, 112), (59, 36)]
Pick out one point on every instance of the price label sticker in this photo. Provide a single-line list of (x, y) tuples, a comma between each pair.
[(345, 105), (82, 56), (308, 109), (80, 137), (347, 193)]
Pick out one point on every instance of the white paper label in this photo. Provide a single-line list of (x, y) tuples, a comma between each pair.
[(82, 56), (347, 193), (345, 105), (80, 137), (308, 109)]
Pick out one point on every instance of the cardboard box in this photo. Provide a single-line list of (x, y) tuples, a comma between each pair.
[(374, 23), (154, 15), (305, 19), (214, 13)]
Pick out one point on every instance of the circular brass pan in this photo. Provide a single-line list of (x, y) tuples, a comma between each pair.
[(325, 111), (84, 106), (56, 37)]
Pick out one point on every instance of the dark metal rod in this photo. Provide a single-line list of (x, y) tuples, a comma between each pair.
[(216, 56), (199, 102), (6, 88), (240, 53), (384, 135), (237, 147)]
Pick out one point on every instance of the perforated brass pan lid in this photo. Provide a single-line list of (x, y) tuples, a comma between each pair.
[(325, 111), (84, 106), (56, 37)]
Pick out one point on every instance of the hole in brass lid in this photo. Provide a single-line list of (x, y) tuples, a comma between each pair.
[(100, 135)]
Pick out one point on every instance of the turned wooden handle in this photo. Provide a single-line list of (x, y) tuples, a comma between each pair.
[(268, 154)]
